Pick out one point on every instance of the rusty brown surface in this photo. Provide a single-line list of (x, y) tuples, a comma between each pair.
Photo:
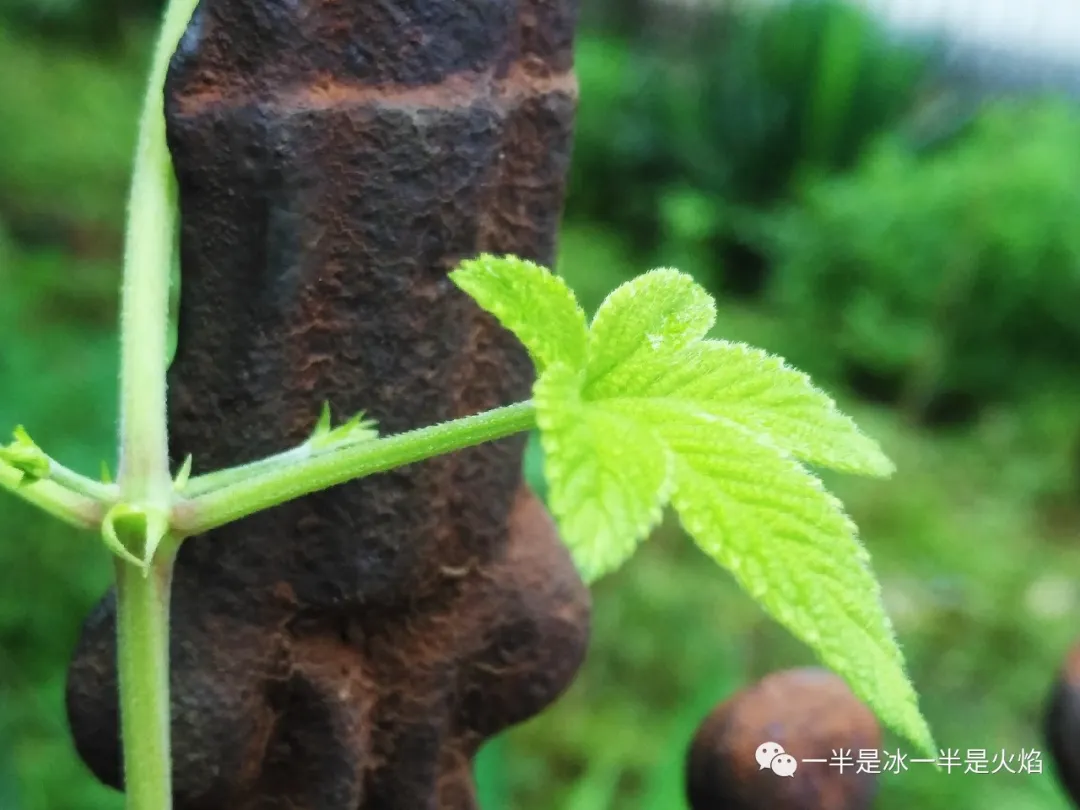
[(1062, 725), (335, 160), (811, 713)]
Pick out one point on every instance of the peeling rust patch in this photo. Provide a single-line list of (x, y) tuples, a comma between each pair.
[(326, 92), (352, 650)]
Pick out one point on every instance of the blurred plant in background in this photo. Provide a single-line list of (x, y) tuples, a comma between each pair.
[(684, 136), (79, 23), (808, 167), (950, 278), (57, 367), (68, 104)]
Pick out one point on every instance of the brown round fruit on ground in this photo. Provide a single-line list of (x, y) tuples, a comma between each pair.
[(809, 713)]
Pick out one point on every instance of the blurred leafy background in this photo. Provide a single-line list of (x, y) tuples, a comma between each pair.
[(907, 238)]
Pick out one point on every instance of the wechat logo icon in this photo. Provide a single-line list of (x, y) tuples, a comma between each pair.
[(772, 756)]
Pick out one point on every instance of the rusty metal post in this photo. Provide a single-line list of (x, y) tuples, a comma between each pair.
[(336, 158)]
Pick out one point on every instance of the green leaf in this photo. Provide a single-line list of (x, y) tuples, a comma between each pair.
[(789, 543), (763, 394), (644, 320), (106, 473), (531, 302), (25, 456), (658, 410), (607, 476)]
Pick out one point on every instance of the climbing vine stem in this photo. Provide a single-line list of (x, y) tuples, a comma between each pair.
[(143, 477), (142, 623), (293, 479)]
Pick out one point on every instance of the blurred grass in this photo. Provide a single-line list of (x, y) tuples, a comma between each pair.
[(974, 539)]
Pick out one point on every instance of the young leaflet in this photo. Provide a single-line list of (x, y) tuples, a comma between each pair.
[(640, 410)]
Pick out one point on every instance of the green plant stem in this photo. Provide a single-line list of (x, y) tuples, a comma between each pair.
[(150, 243), (143, 659), (219, 479), (73, 481), (72, 508), (143, 478), (290, 481)]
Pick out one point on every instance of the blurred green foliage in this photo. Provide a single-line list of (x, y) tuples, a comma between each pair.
[(758, 152), (950, 276), (683, 137), (57, 367), (67, 131), (78, 23)]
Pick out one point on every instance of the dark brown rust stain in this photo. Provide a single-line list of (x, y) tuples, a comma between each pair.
[(1062, 725), (335, 159), (810, 713)]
